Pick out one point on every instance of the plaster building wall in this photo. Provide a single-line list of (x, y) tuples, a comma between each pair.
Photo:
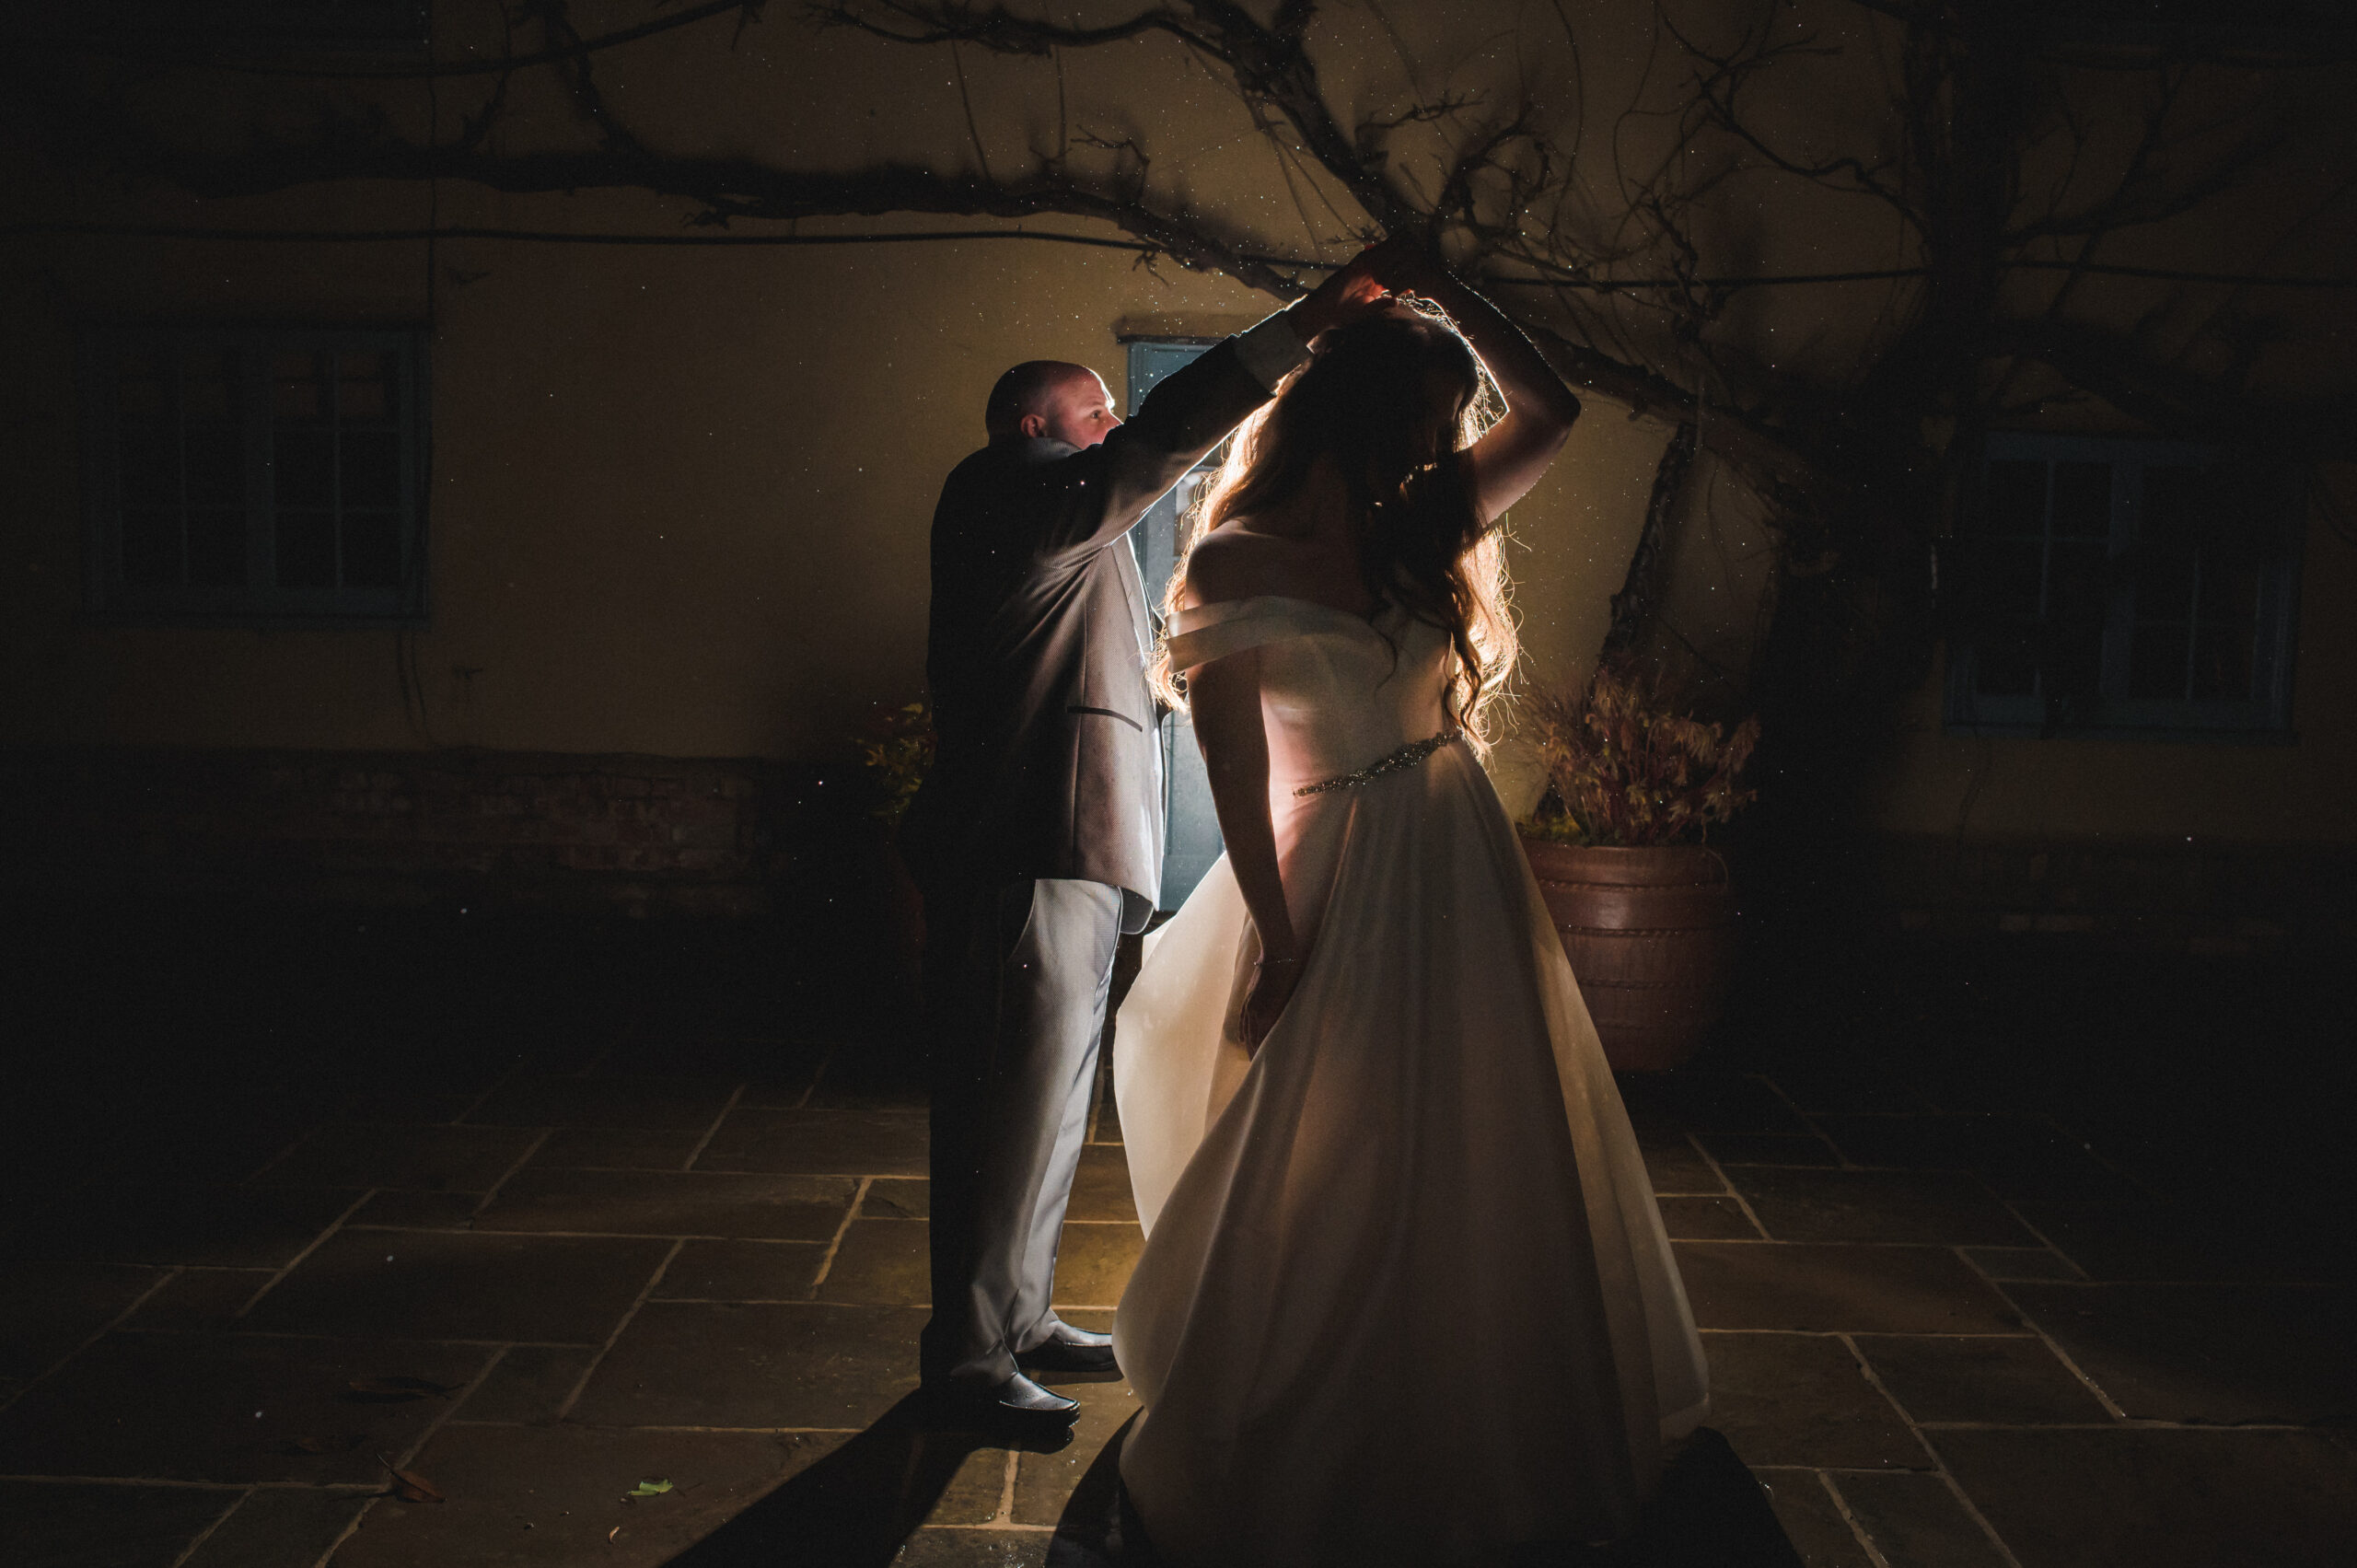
[(680, 496)]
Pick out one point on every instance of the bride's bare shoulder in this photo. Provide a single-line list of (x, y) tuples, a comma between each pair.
[(1231, 563)]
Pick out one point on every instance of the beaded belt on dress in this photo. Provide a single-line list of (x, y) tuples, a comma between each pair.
[(1408, 756)]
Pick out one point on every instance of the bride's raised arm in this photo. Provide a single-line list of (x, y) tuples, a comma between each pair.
[(1507, 461)]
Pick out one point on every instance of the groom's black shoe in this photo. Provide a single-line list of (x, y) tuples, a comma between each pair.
[(1071, 1351), (1017, 1398)]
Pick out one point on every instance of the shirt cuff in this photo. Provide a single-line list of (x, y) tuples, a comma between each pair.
[(1271, 351)]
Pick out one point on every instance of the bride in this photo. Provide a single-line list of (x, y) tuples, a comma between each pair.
[(1405, 1297)]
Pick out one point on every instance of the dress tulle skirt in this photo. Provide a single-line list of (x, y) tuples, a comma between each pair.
[(1405, 1297)]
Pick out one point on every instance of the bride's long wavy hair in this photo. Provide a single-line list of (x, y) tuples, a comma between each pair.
[(1372, 398)]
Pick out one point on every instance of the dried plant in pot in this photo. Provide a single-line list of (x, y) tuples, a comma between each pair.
[(1644, 903)]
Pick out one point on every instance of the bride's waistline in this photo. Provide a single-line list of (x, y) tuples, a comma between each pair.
[(1408, 756)]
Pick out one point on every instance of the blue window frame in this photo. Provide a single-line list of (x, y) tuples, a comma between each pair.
[(255, 474), (1190, 828), (2132, 589)]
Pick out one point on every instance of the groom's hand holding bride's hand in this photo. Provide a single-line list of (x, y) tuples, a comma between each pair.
[(1272, 983), (1350, 294)]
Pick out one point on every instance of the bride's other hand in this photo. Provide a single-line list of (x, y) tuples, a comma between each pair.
[(1508, 459), (1273, 985)]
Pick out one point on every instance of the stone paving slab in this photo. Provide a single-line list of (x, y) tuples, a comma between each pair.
[(1918, 1520), (804, 1365), (882, 1263), (745, 1305), (1100, 1188), (2149, 1241), (2208, 1352), (47, 1310), (1044, 1482), (552, 1497), (618, 1148), (2021, 1263), (456, 1285), (656, 1203), (54, 1525), (203, 1226), (197, 1299), (743, 1270), (2160, 1498), (1708, 1102), (1768, 1149), (1945, 1208), (1707, 1219), (531, 1384), (418, 1211), (1824, 1287), (1804, 1400), (2008, 1381), (975, 1549), (2019, 1156), (1812, 1518), (819, 1143), (893, 1197), (417, 1156), (636, 1103), (1093, 1266), (280, 1526), (228, 1408), (1674, 1164)]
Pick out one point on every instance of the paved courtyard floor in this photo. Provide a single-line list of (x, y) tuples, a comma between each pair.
[(639, 1294)]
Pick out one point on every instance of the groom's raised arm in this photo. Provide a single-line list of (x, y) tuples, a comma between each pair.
[(1085, 502)]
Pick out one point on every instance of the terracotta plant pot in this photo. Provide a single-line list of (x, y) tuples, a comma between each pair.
[(1651, 937)]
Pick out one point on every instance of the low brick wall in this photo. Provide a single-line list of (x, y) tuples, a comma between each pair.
[(642, 834), (2183, 896)]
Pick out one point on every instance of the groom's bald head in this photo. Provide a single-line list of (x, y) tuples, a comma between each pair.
[(1052, 398)]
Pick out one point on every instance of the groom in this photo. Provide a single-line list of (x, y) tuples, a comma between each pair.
[(1037, 835)]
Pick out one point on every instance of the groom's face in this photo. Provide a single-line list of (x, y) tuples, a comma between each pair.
[(1079, 413)]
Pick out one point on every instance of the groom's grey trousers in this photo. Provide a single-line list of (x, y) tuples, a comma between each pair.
[(1017, 976)]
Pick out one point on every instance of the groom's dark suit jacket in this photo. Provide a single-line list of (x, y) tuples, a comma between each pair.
[(1048, 763)]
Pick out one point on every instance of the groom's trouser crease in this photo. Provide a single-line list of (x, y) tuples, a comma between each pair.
[(1016, 980)]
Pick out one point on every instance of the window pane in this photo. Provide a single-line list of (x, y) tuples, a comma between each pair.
[(151, 466), (296, 390), (2083, 500), (2164, 581), (2221, 661), (209, 386), (2015, 499), (364, 387), (2075, 602), (2016, 576), (304, 461), (2156, 662), (2229, 590), (371, 461), (2176, 496), (217, 547), (306, 550), (2006, 663), (372, 549), (215, 466), (139, 386), (151, 548)]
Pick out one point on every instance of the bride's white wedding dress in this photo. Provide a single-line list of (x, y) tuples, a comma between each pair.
[(1405, 1296)]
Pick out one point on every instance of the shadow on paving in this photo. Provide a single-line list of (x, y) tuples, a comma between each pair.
[(1708, 1514), (858, 1507)]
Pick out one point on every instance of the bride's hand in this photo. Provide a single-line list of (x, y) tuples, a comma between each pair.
[(1272, 983)]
